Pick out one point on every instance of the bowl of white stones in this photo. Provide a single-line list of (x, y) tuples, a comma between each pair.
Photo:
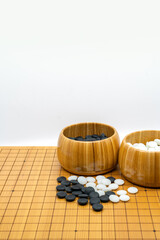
[(95, 190), (139, 158)]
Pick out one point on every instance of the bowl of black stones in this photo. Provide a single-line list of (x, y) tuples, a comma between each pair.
[(88, 148), (95, 191)]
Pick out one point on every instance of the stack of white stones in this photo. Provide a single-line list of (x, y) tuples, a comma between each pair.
[(102, 185), (152, 146)]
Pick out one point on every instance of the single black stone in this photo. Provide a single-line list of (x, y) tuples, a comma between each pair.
[(60, 188), (109, 193), (75, 187), (68, 189), (76, 193), (90, 139), (83, 189), (60, 179), (97, 207), (74, 182), (112, 179), (79, 138), (88, 136), (82, 201), (95, 136), (70, 198), (88, 190), (94, 200), (61, 194), (71, 138), (83, 195), (66, 183), (93, 195), (104, 198), (80, 185), (102, 135)]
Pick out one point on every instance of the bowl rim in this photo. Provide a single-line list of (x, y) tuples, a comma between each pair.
[(115, 132), (139, 150)]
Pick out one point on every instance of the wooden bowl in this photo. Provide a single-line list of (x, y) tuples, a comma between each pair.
[(139, 166), (88, 158)]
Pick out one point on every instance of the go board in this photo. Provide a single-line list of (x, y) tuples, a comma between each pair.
[(29, 208)]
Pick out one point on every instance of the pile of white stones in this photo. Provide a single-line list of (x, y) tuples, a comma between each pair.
[(152, 146), (102, 185)]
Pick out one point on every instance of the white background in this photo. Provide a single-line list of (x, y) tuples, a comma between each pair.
[(63, 62)]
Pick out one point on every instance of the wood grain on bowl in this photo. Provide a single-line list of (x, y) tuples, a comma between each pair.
[(139, 166), (88, 158)]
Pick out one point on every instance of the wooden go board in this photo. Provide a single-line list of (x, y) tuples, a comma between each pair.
[(29, 208)]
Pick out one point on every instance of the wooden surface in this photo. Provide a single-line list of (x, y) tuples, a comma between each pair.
[(88, 158), (140, 167), (29, 208)]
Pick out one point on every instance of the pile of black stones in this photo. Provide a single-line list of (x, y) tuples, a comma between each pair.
[(88, 138), (70, 190)]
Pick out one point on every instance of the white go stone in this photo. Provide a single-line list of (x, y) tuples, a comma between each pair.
[(106, 189), (82, 180), (157, 141), (106, 181), (101, 186), (124, 198), (151, 149), (121, 192), (151, 144), (100, 192), (72, 178), (157, 148), (129, 144), (113, 186), (119, 181), (91, 179), (114, 198), (99, 181), (91, 184), (100, 177), (132, 190)]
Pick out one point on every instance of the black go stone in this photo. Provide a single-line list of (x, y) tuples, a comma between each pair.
[(97, 207), (104, 198), (93, 195), (88, 190), (60, 179), (70, 198), (61, 194), (60, 188), (83, 189), (82, 201), (76, 193), (109, 193), (68, 189), (74, 182), (112, 179), (66, 183), (95, 136), (80, 185), (94, 200), (83, 195), (75, 187)]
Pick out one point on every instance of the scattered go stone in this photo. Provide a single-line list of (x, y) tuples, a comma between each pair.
[(91, 184), (61, 194), (76, 193), (100, 192), (82, 180), (124, 198), (104, 198), (106, 181), (93, 137), (88, 190), (93, 195), (68, 189), (101, 186), (82, 201), (100, 177), (83, 189), (119, 182), (83, 195), (65, 183), (94, 200), (60, 188), (114, 198), (132, 190), (74, 182), (110, 193), (60, 179), (72, 178), (75, 187), (112, 179), (113, 186), (90, 179), (70, 198), (121, 192), (97, 207)]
